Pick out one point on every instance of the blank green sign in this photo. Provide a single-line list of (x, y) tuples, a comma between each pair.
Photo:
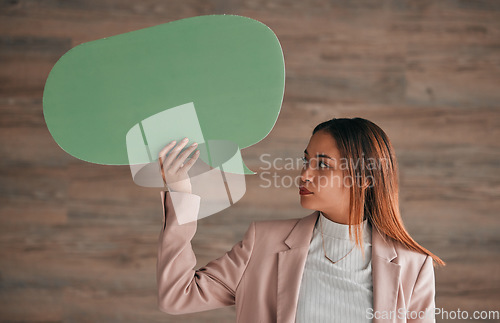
[(230, 67)]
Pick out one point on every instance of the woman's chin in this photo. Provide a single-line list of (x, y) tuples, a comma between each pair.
[(306, 204)]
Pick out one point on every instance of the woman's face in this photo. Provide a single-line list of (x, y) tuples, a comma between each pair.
[(322, 176)]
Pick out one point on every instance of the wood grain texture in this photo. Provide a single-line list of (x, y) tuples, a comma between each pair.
[(78, 241)]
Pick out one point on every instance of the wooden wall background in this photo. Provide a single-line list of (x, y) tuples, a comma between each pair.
[(78, 241)]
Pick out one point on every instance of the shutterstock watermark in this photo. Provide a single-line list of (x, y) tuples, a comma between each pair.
[(326, 175), (432, 312)]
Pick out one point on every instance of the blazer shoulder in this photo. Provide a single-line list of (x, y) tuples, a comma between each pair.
[(277, 223), (409, 258)]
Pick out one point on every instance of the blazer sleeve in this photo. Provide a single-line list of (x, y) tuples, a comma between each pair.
[(422, 303), (181, 289)]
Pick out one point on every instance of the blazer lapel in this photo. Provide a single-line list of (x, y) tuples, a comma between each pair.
[(385, 277), (291, 264)]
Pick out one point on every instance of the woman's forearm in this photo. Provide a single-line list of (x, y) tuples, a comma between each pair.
[(181, 289)]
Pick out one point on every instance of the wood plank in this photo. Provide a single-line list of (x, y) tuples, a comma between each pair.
[(78, 241)]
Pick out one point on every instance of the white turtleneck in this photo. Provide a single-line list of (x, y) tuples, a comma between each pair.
[(340, 292)]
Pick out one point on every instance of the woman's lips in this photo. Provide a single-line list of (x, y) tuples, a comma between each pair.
[(304, 191)]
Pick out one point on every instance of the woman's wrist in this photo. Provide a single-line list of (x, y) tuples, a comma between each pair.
[(183, 186)]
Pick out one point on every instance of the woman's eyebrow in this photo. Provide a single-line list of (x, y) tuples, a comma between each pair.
[(319, 155)]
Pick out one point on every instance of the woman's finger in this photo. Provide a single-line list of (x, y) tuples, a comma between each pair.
[(182, 157), (165, 150), (173, 153), (187, 166)]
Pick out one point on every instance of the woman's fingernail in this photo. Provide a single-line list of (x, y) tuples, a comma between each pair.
[(194, 145), (172, 142)]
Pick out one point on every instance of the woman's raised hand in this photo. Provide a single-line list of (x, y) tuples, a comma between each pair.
[(174, 168)]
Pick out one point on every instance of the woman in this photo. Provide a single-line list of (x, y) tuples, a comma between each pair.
[(311, 269)]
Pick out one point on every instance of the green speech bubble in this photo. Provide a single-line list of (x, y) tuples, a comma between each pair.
[(231, 68)]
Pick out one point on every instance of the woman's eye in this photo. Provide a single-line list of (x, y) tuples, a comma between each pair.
[(321, 164), (304, 161)]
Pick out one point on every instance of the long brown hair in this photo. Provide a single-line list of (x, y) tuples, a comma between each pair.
[(375, 195)]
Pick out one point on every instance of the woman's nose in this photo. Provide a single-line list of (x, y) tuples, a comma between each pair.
[(305, 174)]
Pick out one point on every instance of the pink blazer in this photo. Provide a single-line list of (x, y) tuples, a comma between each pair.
[(261, 274)]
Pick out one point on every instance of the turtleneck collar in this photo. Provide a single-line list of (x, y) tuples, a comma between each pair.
[(341, 231)]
